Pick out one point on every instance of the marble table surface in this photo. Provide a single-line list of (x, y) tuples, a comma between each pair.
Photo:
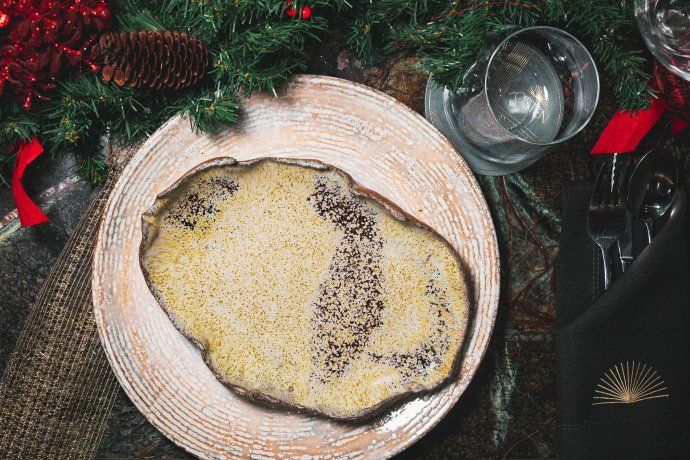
[(509, 409)]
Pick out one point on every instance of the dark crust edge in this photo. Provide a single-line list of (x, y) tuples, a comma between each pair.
[(358, 190)]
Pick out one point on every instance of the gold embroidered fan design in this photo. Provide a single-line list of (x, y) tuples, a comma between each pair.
[(628, 383)]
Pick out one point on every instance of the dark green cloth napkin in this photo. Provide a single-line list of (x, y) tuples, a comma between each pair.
[(629, 345)]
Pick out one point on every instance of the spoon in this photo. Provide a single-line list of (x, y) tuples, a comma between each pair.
[(652, 187)]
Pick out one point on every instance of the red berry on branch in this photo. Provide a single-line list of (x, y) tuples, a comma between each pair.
[(306, 12), (291, 11), (4, 19)]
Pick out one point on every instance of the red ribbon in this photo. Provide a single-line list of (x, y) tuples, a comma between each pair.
[(626, 129), (29, 213)]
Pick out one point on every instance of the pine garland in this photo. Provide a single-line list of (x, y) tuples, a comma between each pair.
[(448, 36), (256, 46)]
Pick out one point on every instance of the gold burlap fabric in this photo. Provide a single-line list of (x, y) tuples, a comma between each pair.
[(58, 389)]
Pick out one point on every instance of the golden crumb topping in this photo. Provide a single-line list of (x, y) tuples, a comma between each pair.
[(302, 292)]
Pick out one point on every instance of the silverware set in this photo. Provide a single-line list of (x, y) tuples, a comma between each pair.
[(623, 195)]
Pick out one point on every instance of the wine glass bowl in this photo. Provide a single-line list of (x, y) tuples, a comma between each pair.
[(665, 29)]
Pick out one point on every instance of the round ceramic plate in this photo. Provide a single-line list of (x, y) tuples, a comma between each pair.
[(385, 147)]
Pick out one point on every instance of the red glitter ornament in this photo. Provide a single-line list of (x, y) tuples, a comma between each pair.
[(45, 37)]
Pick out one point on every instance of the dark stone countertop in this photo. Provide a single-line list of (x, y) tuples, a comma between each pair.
[(509, 408)]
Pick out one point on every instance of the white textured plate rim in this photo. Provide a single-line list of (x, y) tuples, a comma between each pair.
[(481, 342)]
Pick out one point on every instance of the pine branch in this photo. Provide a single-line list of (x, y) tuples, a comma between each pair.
[(256, 46), (449, 37), (182, 15), (15, 125)]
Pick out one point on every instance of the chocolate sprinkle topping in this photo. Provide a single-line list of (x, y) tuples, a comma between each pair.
[(428, 354), (193, 207), (349, 303)]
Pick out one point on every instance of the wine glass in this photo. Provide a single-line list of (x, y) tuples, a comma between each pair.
[(534, 88), (665, 28)]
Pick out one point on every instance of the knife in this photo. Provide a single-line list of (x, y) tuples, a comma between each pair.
[(626, 249)]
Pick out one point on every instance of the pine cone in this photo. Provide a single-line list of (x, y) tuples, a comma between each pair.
[(151, 59)]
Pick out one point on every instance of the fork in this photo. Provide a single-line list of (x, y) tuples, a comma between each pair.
[(606, 218), (626, 250)]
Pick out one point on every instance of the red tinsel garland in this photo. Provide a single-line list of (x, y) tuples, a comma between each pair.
[(40, 38)]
